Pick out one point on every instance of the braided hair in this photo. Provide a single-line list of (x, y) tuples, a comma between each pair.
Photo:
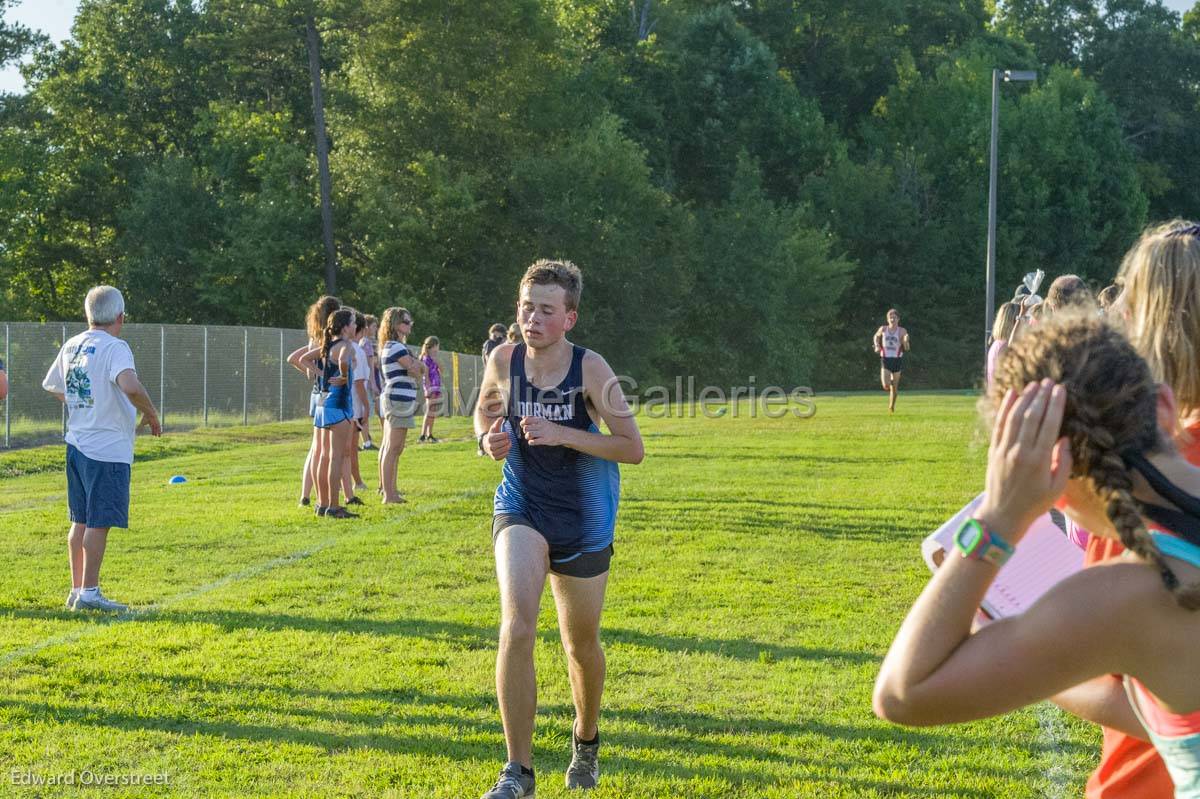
[(1111, 411)]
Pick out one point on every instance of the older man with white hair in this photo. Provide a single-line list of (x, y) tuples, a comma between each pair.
[(94, 375)]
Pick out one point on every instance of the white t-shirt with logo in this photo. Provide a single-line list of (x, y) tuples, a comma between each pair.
[(101, 421)]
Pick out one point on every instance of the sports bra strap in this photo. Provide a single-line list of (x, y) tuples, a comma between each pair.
[(1176, 548), (1186, 520)]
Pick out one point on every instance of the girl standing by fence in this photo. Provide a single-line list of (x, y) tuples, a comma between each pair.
[(433, 387)]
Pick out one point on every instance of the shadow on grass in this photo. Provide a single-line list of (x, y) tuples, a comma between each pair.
[(461, 634), (672, 739)]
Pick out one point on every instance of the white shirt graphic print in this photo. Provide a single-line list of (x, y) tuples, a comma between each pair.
[(101, 421)]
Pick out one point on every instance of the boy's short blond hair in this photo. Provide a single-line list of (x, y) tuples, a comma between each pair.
[(1161, 297), (556, 273)]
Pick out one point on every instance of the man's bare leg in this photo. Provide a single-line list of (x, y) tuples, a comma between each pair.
[(95, 539), (522, 562), (75, 554), (579, 601)]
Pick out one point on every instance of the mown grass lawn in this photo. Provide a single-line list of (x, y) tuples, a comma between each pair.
[(762, 566)]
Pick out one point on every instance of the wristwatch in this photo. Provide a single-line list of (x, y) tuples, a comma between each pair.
[(974, 540)]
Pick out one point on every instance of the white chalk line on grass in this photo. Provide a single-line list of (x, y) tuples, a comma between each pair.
[(229, 579), (1051, 732)]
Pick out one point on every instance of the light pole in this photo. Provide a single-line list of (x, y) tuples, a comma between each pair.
[(1009, 75)]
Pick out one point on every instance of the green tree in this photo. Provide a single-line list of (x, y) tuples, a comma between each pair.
[(767, 285)]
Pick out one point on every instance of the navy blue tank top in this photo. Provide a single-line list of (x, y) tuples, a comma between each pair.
[(568, 496)]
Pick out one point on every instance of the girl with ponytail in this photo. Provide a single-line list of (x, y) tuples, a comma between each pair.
[(1159, 309), (333, 363), (1075, 412), (314, 322)]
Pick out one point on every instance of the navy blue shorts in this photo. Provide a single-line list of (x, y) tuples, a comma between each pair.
[(97, 491), (566, 562)]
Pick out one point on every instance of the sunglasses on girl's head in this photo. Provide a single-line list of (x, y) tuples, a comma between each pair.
[(1190, 230)]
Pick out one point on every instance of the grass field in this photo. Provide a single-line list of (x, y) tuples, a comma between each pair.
[(762, 566)]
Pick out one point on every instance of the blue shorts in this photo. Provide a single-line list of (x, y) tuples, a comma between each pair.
[(97, 491), (326, 416)]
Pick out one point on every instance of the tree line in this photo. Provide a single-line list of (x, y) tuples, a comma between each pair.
[(747, 185)]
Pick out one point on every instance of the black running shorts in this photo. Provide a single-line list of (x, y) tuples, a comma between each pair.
[(570, 564)]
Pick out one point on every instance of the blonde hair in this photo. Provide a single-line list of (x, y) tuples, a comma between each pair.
[(1006, 320), (318, 315), (1110, 415), (514, 333), (1161, 279), (387, 327), (428, 344)]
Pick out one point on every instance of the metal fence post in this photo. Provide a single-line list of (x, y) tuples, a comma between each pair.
[(281, 374), (7, 397), (64, 405), (162, 375), (245, 365), (205, 391)]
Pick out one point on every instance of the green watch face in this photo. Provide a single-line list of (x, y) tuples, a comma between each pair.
[(969, 536)]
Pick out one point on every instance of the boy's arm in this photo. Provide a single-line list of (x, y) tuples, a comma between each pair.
[(904, 340), (877, 341), (622, 444)]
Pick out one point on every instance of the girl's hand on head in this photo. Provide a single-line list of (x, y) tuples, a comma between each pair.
[(1028, 463)]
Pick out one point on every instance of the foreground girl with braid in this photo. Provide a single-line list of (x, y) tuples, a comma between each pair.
[(1074, 410)]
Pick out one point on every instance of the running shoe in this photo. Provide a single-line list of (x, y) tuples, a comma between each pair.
[(512, 784), (339, 513), (304, 502), (584, 771), (97, 601), (354, 500)]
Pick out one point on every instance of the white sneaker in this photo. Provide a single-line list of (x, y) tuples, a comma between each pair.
[(71, 597), (97, 601)]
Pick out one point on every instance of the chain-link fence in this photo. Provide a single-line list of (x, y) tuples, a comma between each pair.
[(197, 376)]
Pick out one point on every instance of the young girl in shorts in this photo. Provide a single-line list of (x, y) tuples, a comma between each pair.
[(433, 387), (334, 364), (1075, 409), (314, 321)]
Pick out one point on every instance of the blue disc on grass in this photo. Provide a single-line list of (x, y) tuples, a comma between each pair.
[(176, 479)]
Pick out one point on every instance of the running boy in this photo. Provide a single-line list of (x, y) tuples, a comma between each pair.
[(891, 342), (555, 510)]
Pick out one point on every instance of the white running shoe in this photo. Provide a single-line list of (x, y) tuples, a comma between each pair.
[(97, 601)]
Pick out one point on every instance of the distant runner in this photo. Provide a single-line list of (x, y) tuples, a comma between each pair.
[(891, 342)]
